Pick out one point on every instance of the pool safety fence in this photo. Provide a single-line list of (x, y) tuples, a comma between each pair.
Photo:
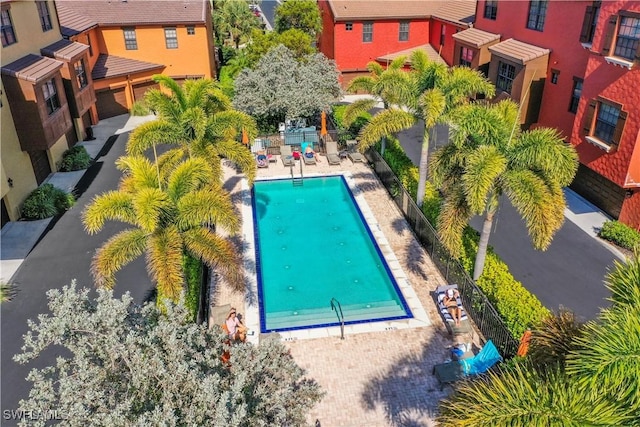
[(478, 307)]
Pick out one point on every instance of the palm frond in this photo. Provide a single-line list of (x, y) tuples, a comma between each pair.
[(540, 204), (430, 75), (383, 124), (176, 91), (138, 172), (554, 338), (217, 101), (462, 83), (432, 103), (623, 280), (195, 92), (218, 253), (361, 83), (520, 397), (112, 205), (238, 154), (117, 252), (395, 87), (608, 358), (162, 104), (483, 168), (169, 160), (151, 207), (375, 69), (355, 109), (454, 216), (164, 263), (397, 63), (190, 175), (208, 206), (153, 133), (193, 122), (228, 124), (446, 164)]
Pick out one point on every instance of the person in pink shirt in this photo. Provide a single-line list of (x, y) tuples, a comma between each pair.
[(235, 327)]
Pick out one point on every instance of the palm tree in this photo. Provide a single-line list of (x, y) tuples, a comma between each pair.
[(171, 210), (432, 93), (199, 119), (235, 20), (489, 156)]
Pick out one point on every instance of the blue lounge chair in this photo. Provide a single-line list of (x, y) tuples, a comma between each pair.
[(479, 364), (307, 160)]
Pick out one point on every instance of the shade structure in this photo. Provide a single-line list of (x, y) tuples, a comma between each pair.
[(323, 121), (245, 137)]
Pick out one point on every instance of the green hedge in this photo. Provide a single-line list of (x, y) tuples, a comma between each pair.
[(620, 234), (352, 131), (518, 307), (75, 159), (46, 201), (193, 278)]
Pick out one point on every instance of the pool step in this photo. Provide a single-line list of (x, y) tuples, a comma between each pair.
[(317, 316)]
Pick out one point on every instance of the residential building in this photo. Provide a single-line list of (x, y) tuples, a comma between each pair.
[(357, 32), (47, 99), (579, 76), (131, 40)]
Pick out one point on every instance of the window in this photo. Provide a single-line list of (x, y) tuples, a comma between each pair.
[(575, 94), (81, 73), (191, 31), (443, 32), (506, 74), (130, 41), (348, 26), (606, 121), (367, 32), (466, 56), (604, 124), (8, 35), (403, 35), (491, 9), (45, 17), (554, 76), (537, 12), (589, 22), (51, 99), (171, 38), (628, 38)]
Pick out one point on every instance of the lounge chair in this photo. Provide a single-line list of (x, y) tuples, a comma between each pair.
[(353, 154), (333, 158), (465, 325), (479, 364), (307, 160), (287, 155)]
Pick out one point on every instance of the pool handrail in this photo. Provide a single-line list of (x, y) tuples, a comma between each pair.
[(340, 315)]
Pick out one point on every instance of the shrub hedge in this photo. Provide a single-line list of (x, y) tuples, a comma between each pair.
[(518, 307), (139, 108), (75, 159), (46, 201), (620, 234), (352, 131), (193, 278)]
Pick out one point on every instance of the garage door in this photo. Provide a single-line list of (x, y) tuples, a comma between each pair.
[(140, 89), (111, 103)]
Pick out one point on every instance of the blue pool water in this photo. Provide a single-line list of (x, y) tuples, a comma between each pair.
[(312, 245)]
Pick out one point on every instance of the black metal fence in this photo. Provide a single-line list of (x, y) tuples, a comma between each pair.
[(476, 303)]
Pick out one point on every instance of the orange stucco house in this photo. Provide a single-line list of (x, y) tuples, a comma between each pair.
[(131, 40)]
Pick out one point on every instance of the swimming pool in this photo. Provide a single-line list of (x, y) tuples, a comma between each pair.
[(313, 245)]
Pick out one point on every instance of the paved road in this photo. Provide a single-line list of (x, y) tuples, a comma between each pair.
[(269, 10), (63, 254), (570, 273)]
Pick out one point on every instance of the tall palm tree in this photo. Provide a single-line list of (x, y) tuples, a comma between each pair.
[(171, 210), (234, 19), (198, 118), (432, 93), (489, 156)]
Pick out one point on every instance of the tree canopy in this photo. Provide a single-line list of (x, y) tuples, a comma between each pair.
[(297, 41), (301, 14), (126, 365), (282, 87), (234, 20)]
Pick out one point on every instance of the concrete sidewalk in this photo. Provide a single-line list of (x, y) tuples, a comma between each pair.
[(18, 238)]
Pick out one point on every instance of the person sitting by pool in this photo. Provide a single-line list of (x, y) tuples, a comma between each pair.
[(310, 154), (262, 159), (236, 329), (450, 301)]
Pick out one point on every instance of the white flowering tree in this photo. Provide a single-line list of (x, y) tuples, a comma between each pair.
[(127, 365), (282, 87)]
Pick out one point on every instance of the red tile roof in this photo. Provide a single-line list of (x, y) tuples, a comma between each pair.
[(132, 12), (33, 68), (114, 66), (64, 49), (71, 22)]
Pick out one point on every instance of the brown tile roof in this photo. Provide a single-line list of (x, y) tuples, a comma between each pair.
[(427, 48), (476, 37), (135, 12), (33, 68), (518, 51), (462, 12), (113, 66), (382, 9), (71, 22), (64, 49)]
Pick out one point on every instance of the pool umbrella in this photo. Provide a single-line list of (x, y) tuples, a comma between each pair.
[(523, 348), (245, 137), (323, 121)]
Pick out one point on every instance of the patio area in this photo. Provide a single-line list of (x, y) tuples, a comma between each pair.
[(371, 378)]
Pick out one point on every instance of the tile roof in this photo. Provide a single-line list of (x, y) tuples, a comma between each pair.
[(427, 48), (64, 49), (133, 12), (71, 22), (476, 37), (113, 66), (457, 11), (33, 68), (518, 51)]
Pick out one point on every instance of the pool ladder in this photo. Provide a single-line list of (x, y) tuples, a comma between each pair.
[(297, 181), (335, 305)]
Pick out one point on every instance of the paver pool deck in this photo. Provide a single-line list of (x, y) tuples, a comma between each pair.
[(372, 379)]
